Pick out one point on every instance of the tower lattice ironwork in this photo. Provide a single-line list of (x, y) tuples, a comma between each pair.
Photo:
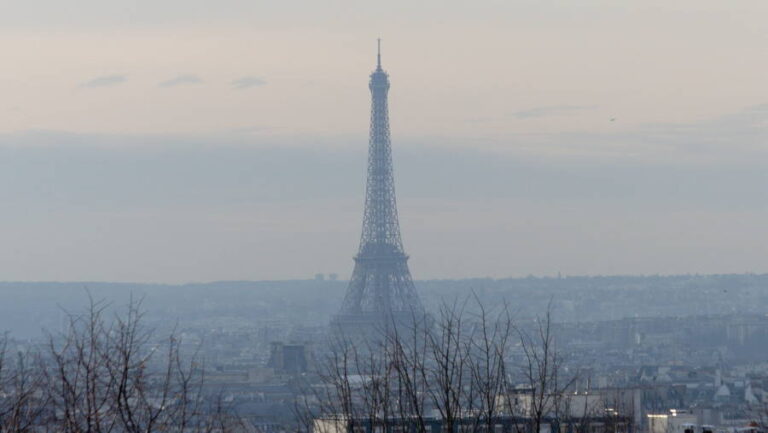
[(381, 287)]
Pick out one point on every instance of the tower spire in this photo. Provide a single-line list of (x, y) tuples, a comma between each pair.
[(378, 55)]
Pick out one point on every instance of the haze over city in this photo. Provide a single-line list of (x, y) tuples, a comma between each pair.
[(190, 141)]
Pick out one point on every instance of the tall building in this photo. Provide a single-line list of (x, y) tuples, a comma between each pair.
[(381, 291)]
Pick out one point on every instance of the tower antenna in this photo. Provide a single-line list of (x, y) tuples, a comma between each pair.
[(378, 54)]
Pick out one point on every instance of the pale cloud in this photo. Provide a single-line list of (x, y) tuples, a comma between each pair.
[(181, 80), (442, 73), (247, 82), (105, 81)]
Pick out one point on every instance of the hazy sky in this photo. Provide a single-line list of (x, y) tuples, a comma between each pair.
[(171, 140)]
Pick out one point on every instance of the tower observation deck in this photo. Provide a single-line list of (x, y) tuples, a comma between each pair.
[(381, 291)]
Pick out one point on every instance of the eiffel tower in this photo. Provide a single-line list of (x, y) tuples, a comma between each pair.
[(381, 290)]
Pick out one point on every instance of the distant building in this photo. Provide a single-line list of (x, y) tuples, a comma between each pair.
[(501, 424), (288, 358), (674, 421)]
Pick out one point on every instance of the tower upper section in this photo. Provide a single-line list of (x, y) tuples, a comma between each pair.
[(381, 229)]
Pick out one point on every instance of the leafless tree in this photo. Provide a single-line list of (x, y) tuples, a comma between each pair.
[(106, 374), (543, 371), (408, 351), (454, 366), (22, 403), (489, 345), (78, 377), (446, 370)]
